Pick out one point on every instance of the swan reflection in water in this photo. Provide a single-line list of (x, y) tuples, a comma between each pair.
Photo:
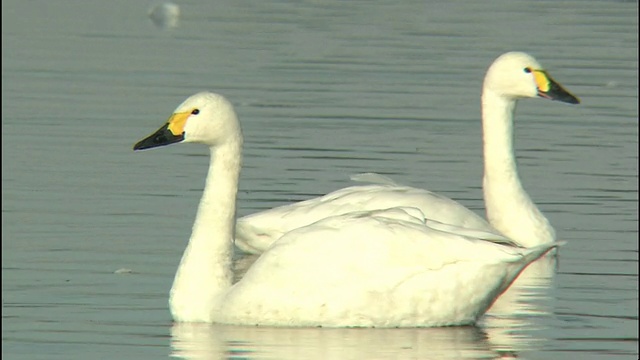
[(514, 313)]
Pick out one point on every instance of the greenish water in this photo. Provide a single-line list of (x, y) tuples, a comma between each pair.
[(323, 90)]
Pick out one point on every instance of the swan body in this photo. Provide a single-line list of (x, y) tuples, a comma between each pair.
[(381, 268), (509, 209)]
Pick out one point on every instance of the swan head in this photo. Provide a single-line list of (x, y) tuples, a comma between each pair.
[(205, 118), (518, 75)]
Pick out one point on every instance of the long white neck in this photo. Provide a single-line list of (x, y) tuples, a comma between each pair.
[(509, 208), (205, 270)]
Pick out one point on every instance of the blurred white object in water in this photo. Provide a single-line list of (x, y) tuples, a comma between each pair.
[(123, 271), (165, 15)]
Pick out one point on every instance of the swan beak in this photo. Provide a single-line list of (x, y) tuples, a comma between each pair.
[(551, 89), (171, 132)]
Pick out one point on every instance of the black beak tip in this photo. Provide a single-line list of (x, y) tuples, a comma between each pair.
[(568, 98), (138, 146), (149, 142), (161, 137)]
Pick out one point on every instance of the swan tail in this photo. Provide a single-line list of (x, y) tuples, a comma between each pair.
[(539, 251), (529, 255)]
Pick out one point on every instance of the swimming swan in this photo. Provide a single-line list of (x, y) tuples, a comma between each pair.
[(381, 268), (509, 208)]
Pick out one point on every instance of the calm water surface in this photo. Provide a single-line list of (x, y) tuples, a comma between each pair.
[(323, 90)]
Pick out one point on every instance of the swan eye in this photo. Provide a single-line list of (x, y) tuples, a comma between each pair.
[(527, 70), (195, 112)]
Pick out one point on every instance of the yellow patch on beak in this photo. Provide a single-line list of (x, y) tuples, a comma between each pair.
[(177, 122), (542, 80)]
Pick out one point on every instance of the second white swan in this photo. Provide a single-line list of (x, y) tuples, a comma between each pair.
[(509, 208)]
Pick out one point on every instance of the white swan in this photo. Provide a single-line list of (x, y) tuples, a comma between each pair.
[(384, 268), (510, 211)]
